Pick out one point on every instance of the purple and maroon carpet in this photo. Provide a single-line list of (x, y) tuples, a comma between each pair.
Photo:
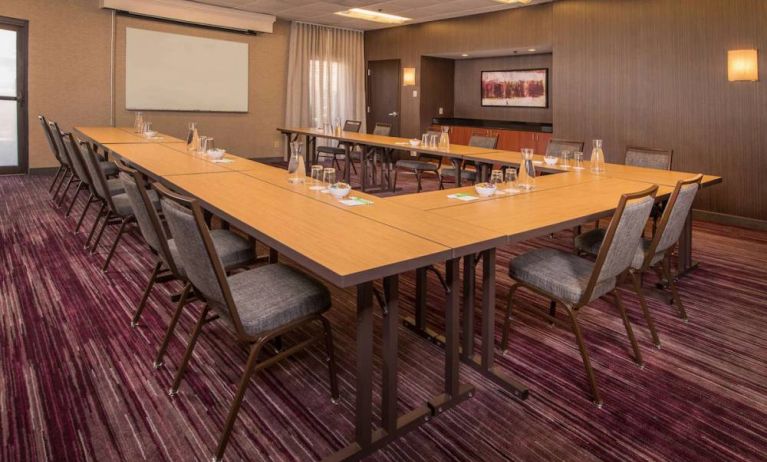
[(77, 383)]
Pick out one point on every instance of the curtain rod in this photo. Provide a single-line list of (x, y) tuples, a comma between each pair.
[(329, 27)]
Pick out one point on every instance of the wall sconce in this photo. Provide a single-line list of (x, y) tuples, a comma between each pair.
[(408, 76), (742, 65)]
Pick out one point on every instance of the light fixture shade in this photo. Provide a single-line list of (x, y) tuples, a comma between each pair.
[(742, 65), (408, 76)]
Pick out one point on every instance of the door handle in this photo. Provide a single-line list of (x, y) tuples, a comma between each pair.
[(393, 114)]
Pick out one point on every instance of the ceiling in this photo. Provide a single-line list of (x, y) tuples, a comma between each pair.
[(321, 12)]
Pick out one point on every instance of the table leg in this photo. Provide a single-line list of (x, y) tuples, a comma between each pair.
[(308, 154), (364, 413), (685, 264), (458, 177), (348, 169), (363, 169), (421, 285), (467, 348), (389, 353)]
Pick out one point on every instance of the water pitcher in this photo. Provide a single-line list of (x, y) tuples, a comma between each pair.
[(444, 139), (193, 138), (296, 166), (138, 122), (526, 179), (597, 158)]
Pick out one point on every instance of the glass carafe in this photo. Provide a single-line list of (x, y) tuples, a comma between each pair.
[(526, 177), (193, 138), (597, 158), (138, 122), (296, 166), (444, 139)]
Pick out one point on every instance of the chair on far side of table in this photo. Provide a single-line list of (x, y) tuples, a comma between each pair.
[(478, 141), (422, 163), (574, 282), (338, 152)]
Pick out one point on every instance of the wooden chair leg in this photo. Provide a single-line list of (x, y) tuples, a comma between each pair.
[(507, 319), (158, 361), (629, 330), (585, 356), (145, 296), (189, 349), (120, 232), (635, 281), (328, 331), (672, 285), (235, 407)]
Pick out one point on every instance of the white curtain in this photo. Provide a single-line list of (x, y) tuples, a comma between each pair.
[(326, 76)]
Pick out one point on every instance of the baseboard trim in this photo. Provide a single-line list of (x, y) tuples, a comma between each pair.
[(43, 171), (732, 220)]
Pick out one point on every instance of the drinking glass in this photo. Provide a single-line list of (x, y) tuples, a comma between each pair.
[(210, 144), (138, 122), (578, 160), (511, 179), (433, 141), (316, 178), (496, 178), (425, 139), (203, 141), (329, 177), (550, 158), (565, 158), (146, 128)]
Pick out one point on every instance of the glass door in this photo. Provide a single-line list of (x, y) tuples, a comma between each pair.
[(13, 82)]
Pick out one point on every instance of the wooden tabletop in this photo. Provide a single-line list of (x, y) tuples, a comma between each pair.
[(524, 216), (114, 135), (344, 248), (390, 142), (161, 160)]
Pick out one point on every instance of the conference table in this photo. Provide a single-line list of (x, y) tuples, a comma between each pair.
[(353, 246)]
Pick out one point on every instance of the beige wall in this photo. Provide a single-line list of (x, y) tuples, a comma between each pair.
[(252, 134), (68, 66), (468, 101), (70, 77)]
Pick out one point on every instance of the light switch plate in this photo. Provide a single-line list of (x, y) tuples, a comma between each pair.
[(441, 111), (415, 93)]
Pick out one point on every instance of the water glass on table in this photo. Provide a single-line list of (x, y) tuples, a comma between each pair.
[(566, 158), (329, 178), (316, 178), (496, 178), (578, 160), (511, 180)]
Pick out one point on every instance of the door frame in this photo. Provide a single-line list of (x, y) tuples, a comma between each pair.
[(22, 66), (369, 122)]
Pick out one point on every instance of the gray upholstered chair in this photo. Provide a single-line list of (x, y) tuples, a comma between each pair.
[(649, 157), (655, 253), (259, 305), (574, 282), (480, 141), (115, 206), (63, 169), (235, 251), (422, 163), (375, 156), (558, 146), (338, 152)]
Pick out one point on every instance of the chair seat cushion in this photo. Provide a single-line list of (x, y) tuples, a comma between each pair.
[(590, 242), (422, 165), (108, 168), (465, 174), (233, 250), (558, 273), (272, 296), (331, 150), (115, 186), (123, 206)]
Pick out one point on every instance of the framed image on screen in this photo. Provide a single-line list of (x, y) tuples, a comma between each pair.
[(516, 88)]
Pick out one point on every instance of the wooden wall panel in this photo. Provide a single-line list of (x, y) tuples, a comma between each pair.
[(468, 102), (643, 72), (437, 84)]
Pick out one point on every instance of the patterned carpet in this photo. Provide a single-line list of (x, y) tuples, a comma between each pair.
[(76, 382)]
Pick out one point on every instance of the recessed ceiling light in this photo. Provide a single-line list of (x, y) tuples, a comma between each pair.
[(375, 16), (531, 49), (464, 55)]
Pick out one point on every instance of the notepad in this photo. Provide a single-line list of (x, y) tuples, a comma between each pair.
[(222, 161), (353, 201), (462, 197)]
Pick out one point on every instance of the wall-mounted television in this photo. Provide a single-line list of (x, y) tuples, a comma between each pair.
[(516, 88)]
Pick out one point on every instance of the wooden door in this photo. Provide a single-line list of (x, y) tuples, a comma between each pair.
[(383, 94)]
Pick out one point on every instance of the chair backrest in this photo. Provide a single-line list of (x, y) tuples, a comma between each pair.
[(649, 157), (484, 141), (674, 216), (202, 265), (352, 126), (49, 138), (382, 129), (65, 143), (58, 140), (556, 146), (98, 179), (622, 237), (149, 222)]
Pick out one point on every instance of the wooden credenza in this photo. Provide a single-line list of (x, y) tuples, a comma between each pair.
[(508, 139)]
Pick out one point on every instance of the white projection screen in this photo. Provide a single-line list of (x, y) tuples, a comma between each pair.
[(175, 72)]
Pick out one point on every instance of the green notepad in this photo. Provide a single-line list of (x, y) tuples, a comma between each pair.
[(462, 197), (352, 201)]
